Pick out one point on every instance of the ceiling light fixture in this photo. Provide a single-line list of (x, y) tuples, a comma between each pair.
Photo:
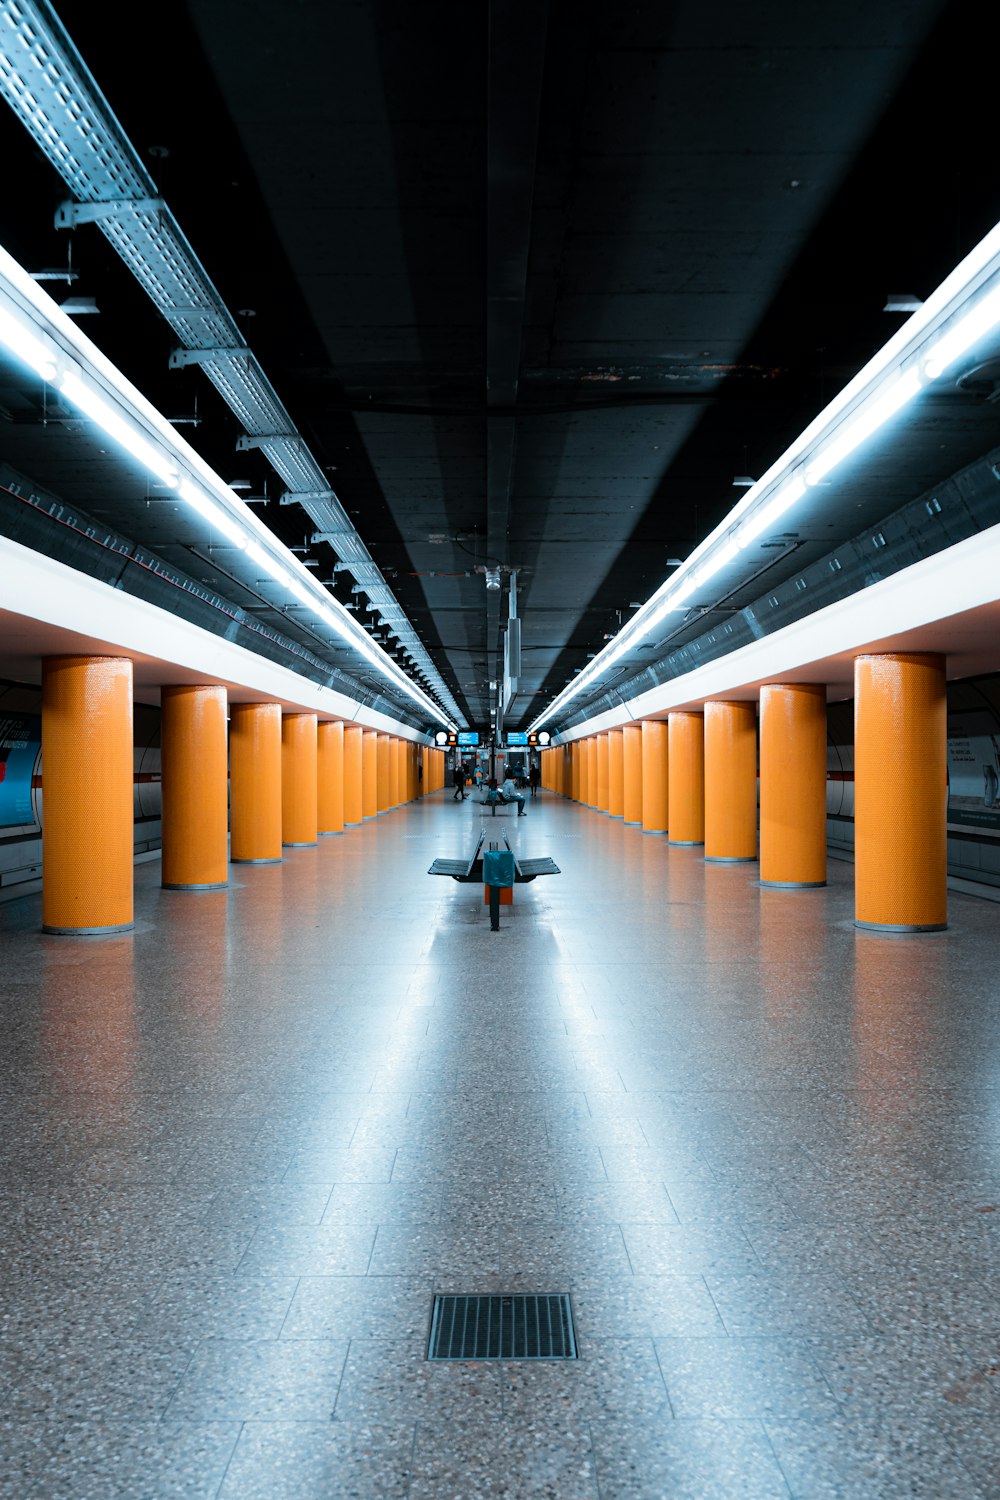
[(39, 333), (960, 312)]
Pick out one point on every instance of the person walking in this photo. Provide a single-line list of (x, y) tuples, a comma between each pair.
[(534, 778), (458, 780)]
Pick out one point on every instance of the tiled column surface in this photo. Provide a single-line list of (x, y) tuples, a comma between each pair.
[(793, 784), (900, 792), (195, 788), (592, 785), (616, 773), (632, 773), (730, 781), (369, 773), (576, 770), (299, 812), (655, 776), (687, 778), (398, 774), (255, 783), (603, 773), (248, 1142), (382, 772), (330, 776), (353, 752), (87, 796)]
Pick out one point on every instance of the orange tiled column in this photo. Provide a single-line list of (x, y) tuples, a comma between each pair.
[(793, 784), (382, 773), (353, 751), (369, 774), (398, 779), (87, 790), (730, 782), (195, 788), (299, 809), (616, 773), (900, 792), (576, 770), (687, 778), (255, 783), (655, 778), (330, 776), (593, 772), (603, 773), (632, 773)]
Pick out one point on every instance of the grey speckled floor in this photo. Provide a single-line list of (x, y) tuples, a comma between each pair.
[(243, 1148)]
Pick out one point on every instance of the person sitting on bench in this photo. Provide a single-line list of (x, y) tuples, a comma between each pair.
[(510, 793)]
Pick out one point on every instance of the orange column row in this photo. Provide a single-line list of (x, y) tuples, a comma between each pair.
[(697, 778), (291, 778), (278, 779)]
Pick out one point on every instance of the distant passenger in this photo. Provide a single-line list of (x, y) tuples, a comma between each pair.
[(535, 779), (458, 781)]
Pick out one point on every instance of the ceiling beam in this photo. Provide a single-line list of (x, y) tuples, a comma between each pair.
[(516, 69)]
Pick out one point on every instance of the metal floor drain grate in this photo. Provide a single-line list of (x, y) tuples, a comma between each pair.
[(502, 1327)]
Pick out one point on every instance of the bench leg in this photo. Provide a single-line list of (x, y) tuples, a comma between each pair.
[(495, 908)]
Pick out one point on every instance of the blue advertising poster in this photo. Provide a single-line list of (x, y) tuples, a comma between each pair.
[(20, 741)]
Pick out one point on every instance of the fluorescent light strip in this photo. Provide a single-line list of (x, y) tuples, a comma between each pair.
[(36, 331), (942, 330)]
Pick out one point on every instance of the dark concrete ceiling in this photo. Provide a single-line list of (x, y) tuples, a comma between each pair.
[(535, 281)]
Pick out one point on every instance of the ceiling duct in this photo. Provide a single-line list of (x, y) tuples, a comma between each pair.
[(50, 89)]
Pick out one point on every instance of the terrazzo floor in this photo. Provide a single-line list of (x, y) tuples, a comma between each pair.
[(243, 1147)]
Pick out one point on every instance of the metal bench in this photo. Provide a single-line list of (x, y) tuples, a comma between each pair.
[(470, 872)]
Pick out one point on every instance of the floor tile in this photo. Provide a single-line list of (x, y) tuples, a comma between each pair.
[(266, 1380), (757, 1153)]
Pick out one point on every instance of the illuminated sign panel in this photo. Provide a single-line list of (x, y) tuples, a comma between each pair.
[(467, 737), (517, 737)]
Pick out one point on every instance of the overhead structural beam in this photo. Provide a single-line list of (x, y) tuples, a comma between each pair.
[(52, 92), (516, 70)]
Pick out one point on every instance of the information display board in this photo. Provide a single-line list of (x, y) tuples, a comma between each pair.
[(468, 737), (517, 737)]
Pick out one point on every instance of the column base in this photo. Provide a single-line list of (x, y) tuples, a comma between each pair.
[(730, 859), (214, 885), (794, 885), (632, 823), (305, 844), (273, 859), (901, 926), (658, 833), (688, 843), (87, 931), (330, 833)]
